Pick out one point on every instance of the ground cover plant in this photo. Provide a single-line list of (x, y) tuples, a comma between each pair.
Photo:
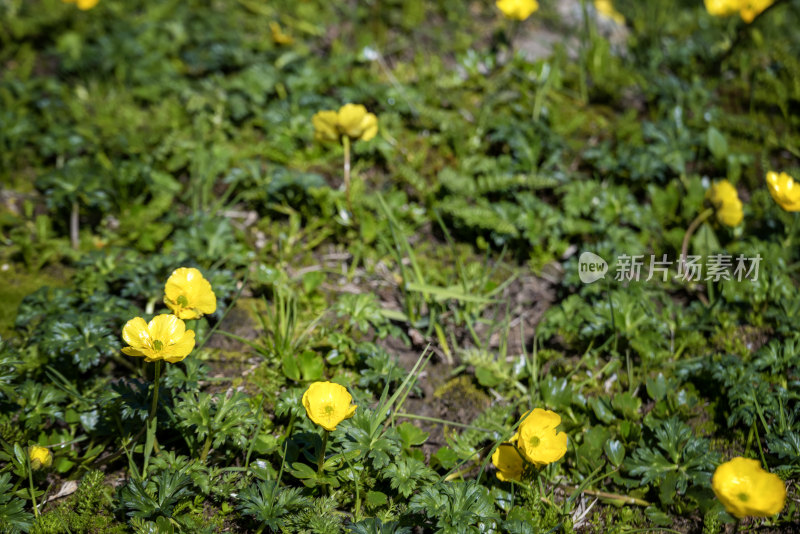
[(399, 266)]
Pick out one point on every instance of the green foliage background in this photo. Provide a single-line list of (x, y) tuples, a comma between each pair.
[(178, 133)]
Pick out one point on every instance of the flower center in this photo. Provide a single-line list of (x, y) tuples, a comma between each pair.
[(534, 441), (183, 301), (157, 345), (328, 410), (743, 497)]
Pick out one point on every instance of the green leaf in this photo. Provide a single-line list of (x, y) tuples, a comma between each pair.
[(601, 409), (20, 455), (290, 367), (406, 474), (657, 387), (12, 510), (615, 452), (312, 280), (164, 526), (311, 365), (376, 498), (717, 143), (556, 393), (657, 516), (445, 457), (668, 488), (705, 241), (486, 377), (627, 405), (595, 437), (411, 434), (63, 464), (302, 471)]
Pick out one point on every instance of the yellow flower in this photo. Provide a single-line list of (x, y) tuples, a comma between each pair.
[(538, 439), (752, 8), (164, 338), (748, 9), (517, 9), (722, 8), (747, 490), (325, 125), (40, 457), (188, 294), (606, 8), (82, 4), (783, 189), (356, 122), (278, 36), (352, 120), (725, 199), (328, 404), (508, 462)]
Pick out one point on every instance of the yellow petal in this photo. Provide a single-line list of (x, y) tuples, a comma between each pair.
[(517, 9), (540, 420), (349, 119), (130, 351), (730, 214), (325, 125), (204, 299), (606, 8), (538, 440), (40, 457), (82, 4), (508, 462), (327, 404), (179, 349), (725, 199), (552, 449), (188, 294), (721, 8), (166, 328), (745, 489), (136, 334), (176, 282), (180, 312), (369, 126), (752, 8), (784, 190), (278, 35)]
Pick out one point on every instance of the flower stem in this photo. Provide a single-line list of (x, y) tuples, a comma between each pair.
[(206, 448), (626, 499), (152, 420), (346, 145), (30, 480), (790, 235), (74, 221), (586, 41), (289, 428), (321, 458), (691, 230), (611, 311), (460, 473), (156, 380)]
